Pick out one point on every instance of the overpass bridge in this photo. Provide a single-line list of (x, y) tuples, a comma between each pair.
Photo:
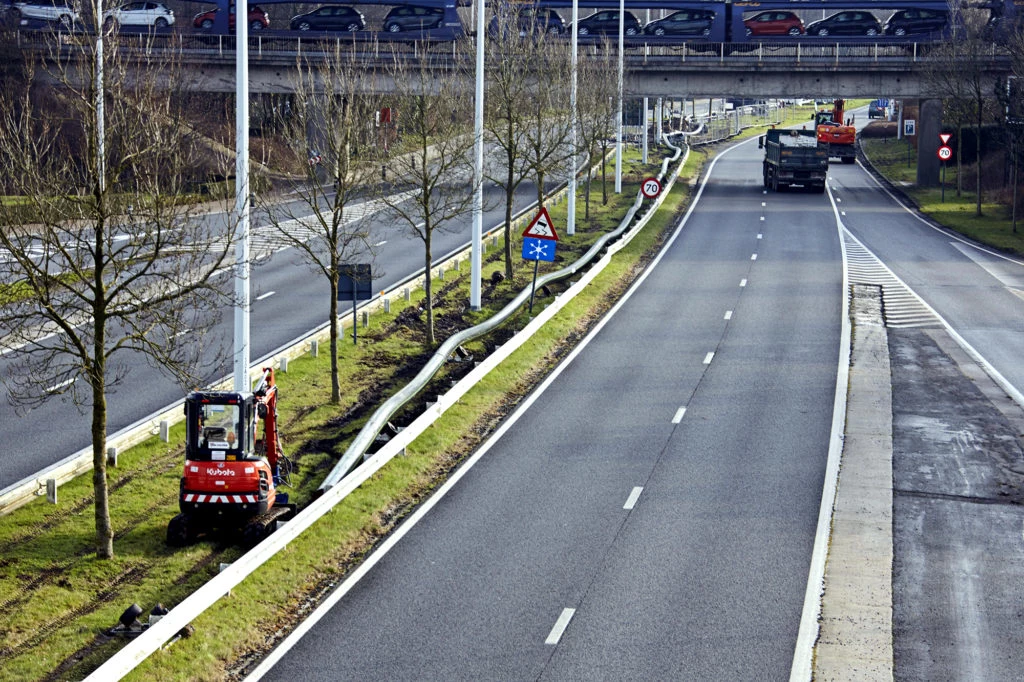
[(851, 68)]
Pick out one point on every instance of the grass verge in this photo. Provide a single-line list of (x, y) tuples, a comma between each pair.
[(896, 160)]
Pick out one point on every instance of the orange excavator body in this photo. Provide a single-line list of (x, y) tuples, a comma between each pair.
[(232, 466), (835, 134)]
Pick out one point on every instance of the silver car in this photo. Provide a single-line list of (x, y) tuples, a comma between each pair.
[(59, 11), (144, 13)]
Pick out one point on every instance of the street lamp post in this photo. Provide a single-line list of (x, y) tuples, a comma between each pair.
[(241, 356)]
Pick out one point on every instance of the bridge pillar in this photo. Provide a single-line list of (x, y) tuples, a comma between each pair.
[(928, 128)]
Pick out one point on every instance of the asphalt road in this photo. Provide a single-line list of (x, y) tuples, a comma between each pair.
[(297, 302), (710, 391), (958, 464)]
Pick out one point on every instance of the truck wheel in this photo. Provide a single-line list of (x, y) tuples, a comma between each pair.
[(849, 159), (820, 189)]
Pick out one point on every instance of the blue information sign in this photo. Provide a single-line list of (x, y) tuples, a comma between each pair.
[(538, 249)]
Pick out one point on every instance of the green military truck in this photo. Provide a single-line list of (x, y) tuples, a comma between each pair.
[(793, 157)]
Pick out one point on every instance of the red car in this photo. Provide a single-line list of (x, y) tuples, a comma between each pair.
[(774, 23), (258, 19)]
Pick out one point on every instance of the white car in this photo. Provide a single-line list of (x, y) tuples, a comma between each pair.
[(145, 13), (59, 11)]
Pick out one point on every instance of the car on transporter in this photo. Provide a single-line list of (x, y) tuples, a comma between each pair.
[(329, 18)]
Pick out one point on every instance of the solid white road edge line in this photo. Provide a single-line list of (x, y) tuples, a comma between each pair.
[(680, 413), (803, 653), (281, 649), (560, 625), (266, 295), (634, 495)]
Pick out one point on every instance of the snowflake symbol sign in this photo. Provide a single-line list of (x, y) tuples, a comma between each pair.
[(538, 249)]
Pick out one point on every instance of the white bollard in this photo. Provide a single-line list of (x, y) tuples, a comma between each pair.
[(366, 319), (314, 348), (51, 490), (165, 431), (284, 365), (407, 293), (387, 305), (112, 456)]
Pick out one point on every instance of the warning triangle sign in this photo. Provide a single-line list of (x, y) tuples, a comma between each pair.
[(945, 137), (541, 227)]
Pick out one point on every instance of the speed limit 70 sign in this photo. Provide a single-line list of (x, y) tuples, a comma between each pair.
[(651, 188), (945, 152)]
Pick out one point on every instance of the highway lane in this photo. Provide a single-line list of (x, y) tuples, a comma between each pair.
[(52, 431), (957, 459), (651, 514), (976, 290)]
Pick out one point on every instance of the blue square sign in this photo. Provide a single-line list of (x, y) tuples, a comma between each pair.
[(538, 249)]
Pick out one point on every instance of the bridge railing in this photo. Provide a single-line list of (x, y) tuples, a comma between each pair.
[(278, 46)]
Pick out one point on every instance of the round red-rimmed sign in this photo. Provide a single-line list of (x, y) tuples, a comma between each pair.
[(651, 188), (945, 152)]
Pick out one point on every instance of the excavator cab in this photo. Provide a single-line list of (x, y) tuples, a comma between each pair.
[(231, 475), (219, 426)]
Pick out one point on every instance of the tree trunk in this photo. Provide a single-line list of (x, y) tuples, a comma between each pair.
[(977, 162), (509, 198), (101, 508), (335, 381), (427, 287)]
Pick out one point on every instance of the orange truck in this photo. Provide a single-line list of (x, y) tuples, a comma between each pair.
[(834, 134)]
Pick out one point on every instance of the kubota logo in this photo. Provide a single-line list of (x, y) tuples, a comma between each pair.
[(220, 472)]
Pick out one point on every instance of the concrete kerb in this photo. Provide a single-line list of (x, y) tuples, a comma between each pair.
[(855, 634)]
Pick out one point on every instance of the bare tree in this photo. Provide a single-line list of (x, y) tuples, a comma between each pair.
[(508, 92), (332, 125), (596, 110), (433, 177), (960, 67), (549, 126), (105, 267)]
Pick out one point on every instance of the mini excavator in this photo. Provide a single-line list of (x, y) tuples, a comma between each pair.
[(232, 466)]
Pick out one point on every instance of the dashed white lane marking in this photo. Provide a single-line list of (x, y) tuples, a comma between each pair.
[(708, 357), (266, 295), (380, 243), (753, 257), (743, 282), (760, 236), (843, 212), (762, 219), (679, 415), (763, 204), (728, 314), (57, 387), (633, 497), (181, 333), (838, 200), (560, 625)]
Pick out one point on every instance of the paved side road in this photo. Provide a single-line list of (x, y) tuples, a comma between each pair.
[(952, 517)]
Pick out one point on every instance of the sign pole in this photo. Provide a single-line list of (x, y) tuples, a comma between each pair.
[(355, 319), (943, 182), (533, 287)]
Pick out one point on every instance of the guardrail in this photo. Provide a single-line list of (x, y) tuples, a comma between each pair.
[(181, 615)]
